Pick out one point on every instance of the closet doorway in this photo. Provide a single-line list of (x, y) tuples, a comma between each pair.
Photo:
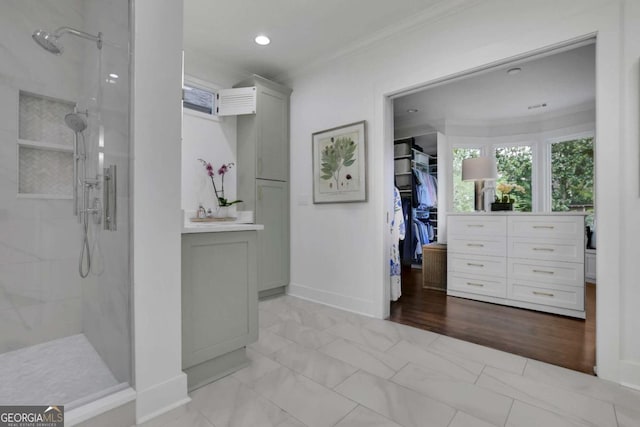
[(520, 114)]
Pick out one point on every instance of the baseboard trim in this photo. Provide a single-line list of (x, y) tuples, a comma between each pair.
[(99, 406), (630, 374), (343, 302), (162, 398)]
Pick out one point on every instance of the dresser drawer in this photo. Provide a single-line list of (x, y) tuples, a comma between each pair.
[(570, 250), (477, 225), (496, 246), (494, 287), (555, 296), (551, 272), (475, 264), (547, 227)]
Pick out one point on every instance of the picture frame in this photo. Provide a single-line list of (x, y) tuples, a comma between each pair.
[(339, 158)]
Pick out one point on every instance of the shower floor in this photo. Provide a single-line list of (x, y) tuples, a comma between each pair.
[(56, 372)]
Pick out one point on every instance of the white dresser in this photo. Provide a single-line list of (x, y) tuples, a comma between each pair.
[(528, 260)]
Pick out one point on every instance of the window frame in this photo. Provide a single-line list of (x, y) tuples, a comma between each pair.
[(190, 81)]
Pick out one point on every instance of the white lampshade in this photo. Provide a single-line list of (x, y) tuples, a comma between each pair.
[(479, 168)]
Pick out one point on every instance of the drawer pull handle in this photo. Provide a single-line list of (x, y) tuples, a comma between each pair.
[(544, 294), (475, 225), (550, 227), (472, 264), (543, 271), (544, 249), (475, 284), (475, 245)]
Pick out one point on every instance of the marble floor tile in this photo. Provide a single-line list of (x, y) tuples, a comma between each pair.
[(485, 355), (574, 407), (524, 415), (375, 362), (449, 366), (310, 318), (258, 367), (481, 403), (291, 422), (584, 384), (191, 418), (628, 417), (465, 420), (312, 364), (399, 332), (268, 342), (342, 316), (303, 335), (169, 417), (398, 403), (377, 340), (267, 319), (228, 402), (304, 399), (363, 417)]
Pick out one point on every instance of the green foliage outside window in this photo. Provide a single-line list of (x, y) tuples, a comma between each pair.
[(463, 191), (514, 167), (572, 176)]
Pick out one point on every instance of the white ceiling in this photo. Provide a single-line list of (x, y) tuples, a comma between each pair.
[(564, 81), (302, 32)]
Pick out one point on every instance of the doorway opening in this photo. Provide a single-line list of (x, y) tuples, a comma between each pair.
[(535, 119)]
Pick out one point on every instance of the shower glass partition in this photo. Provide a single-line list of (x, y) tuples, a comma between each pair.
[(65, 321)]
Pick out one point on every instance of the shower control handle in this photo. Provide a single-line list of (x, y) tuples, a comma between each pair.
[(110, 198)]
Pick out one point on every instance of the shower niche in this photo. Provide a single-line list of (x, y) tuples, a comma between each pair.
[(45, 147)]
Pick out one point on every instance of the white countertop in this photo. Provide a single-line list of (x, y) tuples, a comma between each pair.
[(242, 224), (218, 227), (514, 213)]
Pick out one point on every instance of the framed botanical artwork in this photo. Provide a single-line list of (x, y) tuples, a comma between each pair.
[(339, 164)]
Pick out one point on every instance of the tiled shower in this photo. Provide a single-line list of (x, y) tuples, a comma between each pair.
[(64, 339)]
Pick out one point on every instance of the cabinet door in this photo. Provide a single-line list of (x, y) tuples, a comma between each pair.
[(272, 149), (272, 210), (219, 294)]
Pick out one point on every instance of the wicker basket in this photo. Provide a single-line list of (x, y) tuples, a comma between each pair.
[(434, 266)]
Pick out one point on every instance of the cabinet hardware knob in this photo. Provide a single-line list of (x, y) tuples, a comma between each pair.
[(543, 271), (544, 249), (551, 227), (475, 225), (472, 264), (475, 284), (475, 245), (544, 294)]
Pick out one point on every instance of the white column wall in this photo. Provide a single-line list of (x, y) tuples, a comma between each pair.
[(159, 380)]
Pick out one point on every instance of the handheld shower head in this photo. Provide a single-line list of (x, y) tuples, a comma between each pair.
[(75, 122), (51, 41), (48, 41)]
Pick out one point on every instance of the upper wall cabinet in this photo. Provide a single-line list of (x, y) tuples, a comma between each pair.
[(263, 138)]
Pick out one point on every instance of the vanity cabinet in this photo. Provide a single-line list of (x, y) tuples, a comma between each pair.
[(534, 261), (263, 179), (219, 303)]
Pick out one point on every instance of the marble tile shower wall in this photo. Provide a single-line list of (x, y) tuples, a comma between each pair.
[(40, 290)]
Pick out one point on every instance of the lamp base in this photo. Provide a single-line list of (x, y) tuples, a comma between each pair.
[(479, 196)]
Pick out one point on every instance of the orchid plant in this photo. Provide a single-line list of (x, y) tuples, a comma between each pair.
[(506, 190), (222, 171)]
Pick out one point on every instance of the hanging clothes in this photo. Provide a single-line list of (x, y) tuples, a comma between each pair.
[(397, 234)]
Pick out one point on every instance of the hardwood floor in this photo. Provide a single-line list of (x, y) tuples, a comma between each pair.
[(550, 338)]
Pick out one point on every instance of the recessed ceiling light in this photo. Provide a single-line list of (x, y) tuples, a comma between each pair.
[(513, 71), (262, 40), (412, 110)]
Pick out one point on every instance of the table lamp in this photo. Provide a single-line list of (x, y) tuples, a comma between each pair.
[(479, 169)]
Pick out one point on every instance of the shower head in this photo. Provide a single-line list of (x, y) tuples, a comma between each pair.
[(75, 122), (48, 41), (51, 41)]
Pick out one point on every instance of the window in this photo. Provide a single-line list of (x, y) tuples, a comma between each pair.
[(514, 167), (463, 191), (198, 99), (572, 176)]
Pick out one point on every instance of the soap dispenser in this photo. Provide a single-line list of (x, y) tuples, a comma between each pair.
[(201, 212)]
